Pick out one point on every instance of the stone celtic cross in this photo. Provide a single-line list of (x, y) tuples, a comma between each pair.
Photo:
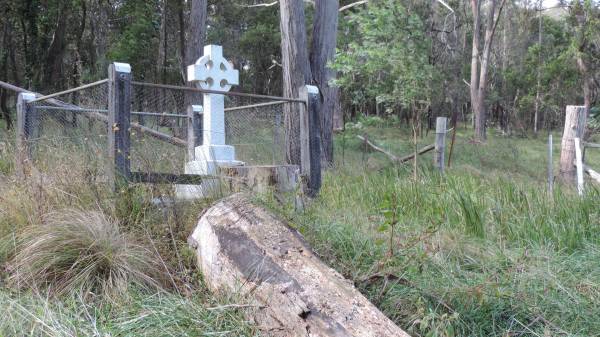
[(213, 72)]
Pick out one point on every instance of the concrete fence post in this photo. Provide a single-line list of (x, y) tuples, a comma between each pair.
[(194, 129), (28, 127), (440, 143)]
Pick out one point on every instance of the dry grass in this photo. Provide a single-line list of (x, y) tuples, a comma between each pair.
[(77, 250)]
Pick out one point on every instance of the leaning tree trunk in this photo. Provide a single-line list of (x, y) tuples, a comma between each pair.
[(323, 51), (243, 249), (296, 70)]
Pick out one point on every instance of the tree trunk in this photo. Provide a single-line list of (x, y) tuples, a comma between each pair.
[(4, 76), (196, 32), (479, 75), (244, 249), (163, 44), (53, 70), (575, 121), (323, 50), (78, 61), (296, 70), (195, 44), (536, 116), (587, 90), (477, 113)]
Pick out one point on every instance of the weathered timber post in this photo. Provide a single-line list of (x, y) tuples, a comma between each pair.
[(310, 140), (119, 119), (574, 128), (579, 165), (27, 128), (194, 129), (550, 165), (440, 143)]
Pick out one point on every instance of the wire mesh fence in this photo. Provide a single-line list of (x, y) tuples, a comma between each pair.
[(69, 133), (254, 127), (71, 130)]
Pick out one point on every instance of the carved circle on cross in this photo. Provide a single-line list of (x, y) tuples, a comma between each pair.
[(212, 71)]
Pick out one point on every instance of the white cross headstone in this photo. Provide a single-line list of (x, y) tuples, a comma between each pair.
[(211, 72)]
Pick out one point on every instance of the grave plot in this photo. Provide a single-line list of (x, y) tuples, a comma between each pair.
[(189, 138)]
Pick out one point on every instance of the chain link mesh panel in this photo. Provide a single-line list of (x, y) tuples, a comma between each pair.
[(256, 131), (69, 133), (71, 130)]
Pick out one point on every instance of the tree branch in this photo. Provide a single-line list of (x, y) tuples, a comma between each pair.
[(446, 5), (354, 4), (271, 4)]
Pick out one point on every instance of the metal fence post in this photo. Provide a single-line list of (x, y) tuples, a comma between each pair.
[(119, 118), (194, 129), (27, 128), (440, 143), (310, 140), (550, 165)]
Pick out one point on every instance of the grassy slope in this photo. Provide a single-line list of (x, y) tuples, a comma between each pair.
[(484, 251)]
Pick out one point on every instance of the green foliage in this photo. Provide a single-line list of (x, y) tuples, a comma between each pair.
[(138, 34), (388, 63), (137, 314), (471, 213), (251, 39), (483, 251), (559, 79)]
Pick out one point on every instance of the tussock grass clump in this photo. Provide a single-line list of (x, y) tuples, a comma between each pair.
[(77, 250)]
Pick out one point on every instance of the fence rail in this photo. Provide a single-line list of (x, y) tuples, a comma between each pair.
[(579, 163), (229, 93)]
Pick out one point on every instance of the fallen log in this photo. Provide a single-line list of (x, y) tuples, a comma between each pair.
[(392, 156), (593, 174), (244, 249)]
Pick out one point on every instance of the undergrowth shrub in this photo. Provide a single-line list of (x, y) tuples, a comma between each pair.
[(75, 250)]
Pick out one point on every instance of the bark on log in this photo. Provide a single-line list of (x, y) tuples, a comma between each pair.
[(244, 249), (261, 179), (574, 128), (592, 173)]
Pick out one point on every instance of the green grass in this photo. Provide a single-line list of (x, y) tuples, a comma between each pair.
[(482, 251), (54, 273), (138, 314)]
